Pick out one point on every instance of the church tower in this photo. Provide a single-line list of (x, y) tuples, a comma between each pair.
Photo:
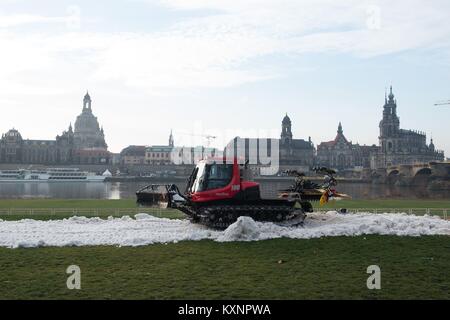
[(390, 124), (286, 131), (171, 143)]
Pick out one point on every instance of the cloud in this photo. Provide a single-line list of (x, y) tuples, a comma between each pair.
[(21, 19), (227, 46), (71, 19), (212, 44)]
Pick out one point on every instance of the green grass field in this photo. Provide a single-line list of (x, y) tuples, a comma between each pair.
[(326, 268), (45, 209), (131, 203), (42, 208)]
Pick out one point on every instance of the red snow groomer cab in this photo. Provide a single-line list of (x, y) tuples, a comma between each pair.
[(219, 191)]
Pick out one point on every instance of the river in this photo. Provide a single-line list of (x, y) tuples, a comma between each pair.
[(126, 190)]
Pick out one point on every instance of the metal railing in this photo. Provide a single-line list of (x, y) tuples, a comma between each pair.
[(443, 212), (92, 212), (79, 211)]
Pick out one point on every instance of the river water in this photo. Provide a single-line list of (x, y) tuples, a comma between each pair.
[(126, 190)]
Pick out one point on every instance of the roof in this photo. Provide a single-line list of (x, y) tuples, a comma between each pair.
[(301, 144), (134, 151), (295, 143), (332, 143), (13, 133)]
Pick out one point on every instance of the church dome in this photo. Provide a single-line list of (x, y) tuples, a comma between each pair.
[(87, 131), (86, 122), (13, 135)]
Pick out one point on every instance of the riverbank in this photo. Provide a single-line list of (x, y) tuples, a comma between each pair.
[(172, 179)]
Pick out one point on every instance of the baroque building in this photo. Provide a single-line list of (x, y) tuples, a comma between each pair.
[(149, 155), (400, 146), (396, 145), (343, 154), (84, 145), (292, 153), (88, 133), (338, 153)]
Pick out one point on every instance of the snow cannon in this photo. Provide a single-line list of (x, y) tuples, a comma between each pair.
[(307, 190)]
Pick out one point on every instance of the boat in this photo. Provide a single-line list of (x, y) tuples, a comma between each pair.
[(50, 175)]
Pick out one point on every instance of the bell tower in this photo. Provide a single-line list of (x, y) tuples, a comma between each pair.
[(390, 124), (286, 131)]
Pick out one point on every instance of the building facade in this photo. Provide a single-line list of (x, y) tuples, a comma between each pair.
[(159, 155), (295, 151), (342, 154), (133, 155), (400, 146), (84, 145), (338, 153), (292, 153)]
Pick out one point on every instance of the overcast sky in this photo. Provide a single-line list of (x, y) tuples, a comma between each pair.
[(226, 67)]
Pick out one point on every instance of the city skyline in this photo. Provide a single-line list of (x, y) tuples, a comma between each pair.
[(196, 136), (152, 66)]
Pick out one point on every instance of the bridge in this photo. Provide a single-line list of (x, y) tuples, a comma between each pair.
[(432, 169)]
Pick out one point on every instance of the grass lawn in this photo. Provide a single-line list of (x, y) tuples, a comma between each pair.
[(327, 268), (67, 203), (44, 209)]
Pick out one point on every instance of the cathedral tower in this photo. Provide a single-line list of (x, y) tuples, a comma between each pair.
[(390, 124), (286, 131)]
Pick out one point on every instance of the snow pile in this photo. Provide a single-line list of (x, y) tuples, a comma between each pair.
[(81, 231), (335, 224), (244, 229), (145, 229)]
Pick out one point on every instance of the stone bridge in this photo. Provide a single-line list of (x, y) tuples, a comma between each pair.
[(432, 169)]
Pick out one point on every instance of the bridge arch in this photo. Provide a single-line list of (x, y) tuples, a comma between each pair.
[(423, 172), (393, 173)]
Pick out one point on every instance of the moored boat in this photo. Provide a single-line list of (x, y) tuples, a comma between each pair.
[(50, 175)]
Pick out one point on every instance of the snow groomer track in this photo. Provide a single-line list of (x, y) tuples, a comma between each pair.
[(144, 229)]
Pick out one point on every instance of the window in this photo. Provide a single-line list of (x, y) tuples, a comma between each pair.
[(212, 176)]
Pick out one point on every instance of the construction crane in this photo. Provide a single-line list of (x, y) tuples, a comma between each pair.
[(442, 103), (208, 137)]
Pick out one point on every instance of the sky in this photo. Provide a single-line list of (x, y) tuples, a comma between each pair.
[(224, 68)]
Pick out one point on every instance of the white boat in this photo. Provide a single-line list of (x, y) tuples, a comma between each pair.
[(50, 175)]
